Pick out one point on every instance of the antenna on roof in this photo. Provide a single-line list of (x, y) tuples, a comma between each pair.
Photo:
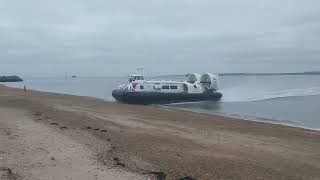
[(140, 70)]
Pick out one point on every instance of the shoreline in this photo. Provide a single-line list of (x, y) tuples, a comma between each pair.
[(105, 139), (247, 118), (233, 116)]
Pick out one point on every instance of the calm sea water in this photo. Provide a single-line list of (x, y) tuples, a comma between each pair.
[(284, 99)]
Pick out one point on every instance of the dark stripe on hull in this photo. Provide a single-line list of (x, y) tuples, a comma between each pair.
[(163, 98)]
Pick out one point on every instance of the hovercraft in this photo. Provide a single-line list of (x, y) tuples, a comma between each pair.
[(196, 88)]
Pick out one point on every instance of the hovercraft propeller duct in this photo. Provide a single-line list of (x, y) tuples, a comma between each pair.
[(208, 81)]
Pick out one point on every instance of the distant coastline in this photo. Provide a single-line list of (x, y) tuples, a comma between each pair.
[(251, 74), (270, 74), (10, 79)]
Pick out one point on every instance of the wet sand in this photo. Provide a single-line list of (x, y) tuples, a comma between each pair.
[(55, 136)]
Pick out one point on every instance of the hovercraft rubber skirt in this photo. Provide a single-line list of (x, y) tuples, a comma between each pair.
[(163, 98)]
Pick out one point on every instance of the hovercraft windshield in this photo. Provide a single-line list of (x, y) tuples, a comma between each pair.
[(135, 77)]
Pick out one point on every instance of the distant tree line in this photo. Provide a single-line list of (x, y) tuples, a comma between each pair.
[(10, 79)]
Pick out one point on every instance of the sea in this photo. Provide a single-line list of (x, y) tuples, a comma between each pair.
[(287, 99)]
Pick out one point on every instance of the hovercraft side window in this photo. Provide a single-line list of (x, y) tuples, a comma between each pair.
[(195, 86), (141, 87), (173, 87), (165, 87)]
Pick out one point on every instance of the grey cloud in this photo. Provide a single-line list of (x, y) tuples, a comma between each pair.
[(171, 36)]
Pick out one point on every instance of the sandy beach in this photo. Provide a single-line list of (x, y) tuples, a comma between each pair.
[(55, 136)]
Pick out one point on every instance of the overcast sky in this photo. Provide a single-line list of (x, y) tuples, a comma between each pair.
[(114, 37)]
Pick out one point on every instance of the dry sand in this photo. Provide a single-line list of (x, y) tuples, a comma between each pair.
[(54, 136)]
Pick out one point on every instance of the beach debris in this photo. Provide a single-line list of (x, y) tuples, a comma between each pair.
[(52, 158), (37, 114), (8, 173), (54, 123), (39, 119), (159, 175), (63, 127), (96, 129), (187, 178), (118, 163), (88, 127), (108, 139), (103, 130), (41, 148)]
